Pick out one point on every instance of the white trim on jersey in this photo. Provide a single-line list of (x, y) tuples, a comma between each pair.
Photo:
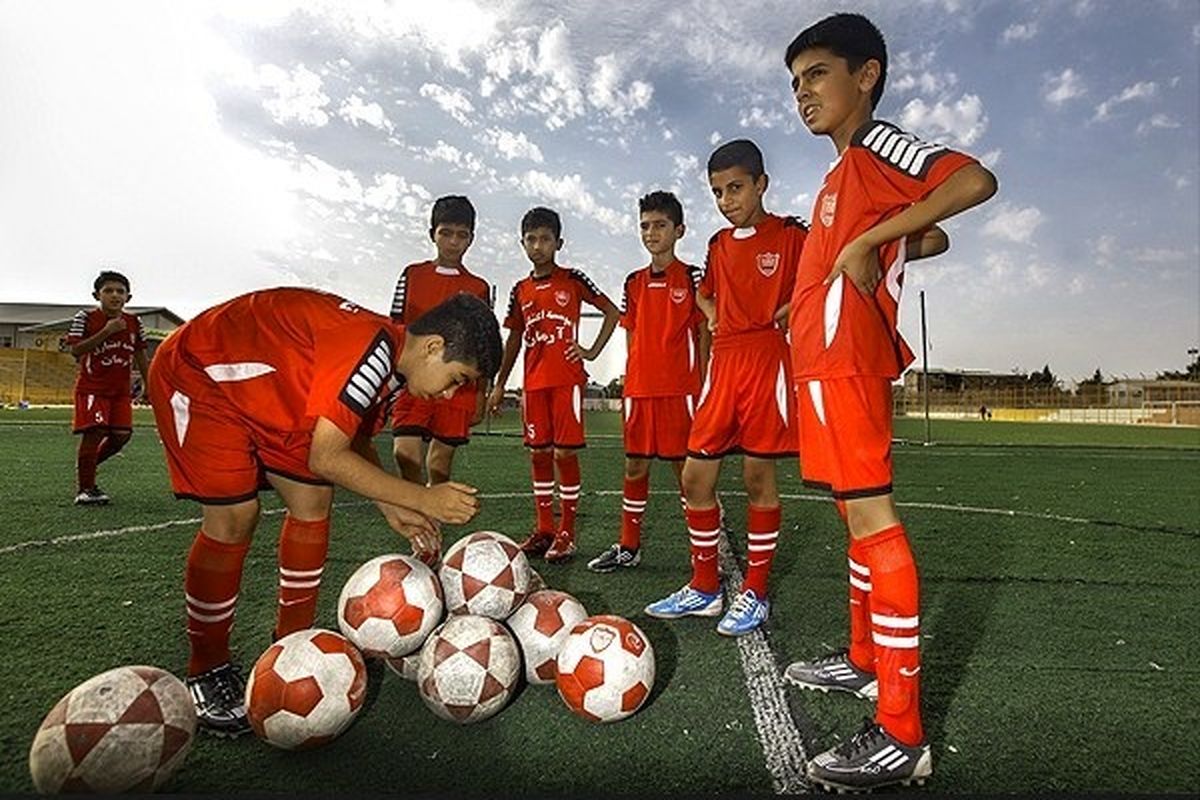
[(238, 371)]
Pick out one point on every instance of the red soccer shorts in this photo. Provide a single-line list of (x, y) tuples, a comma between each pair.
[(846, 435), (553, 417), (112, 412), (658, 427), (213, 455), (445, 420), (746, 404)]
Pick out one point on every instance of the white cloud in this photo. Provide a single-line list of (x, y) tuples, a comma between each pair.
[(1019, 32), (1083, 8), (926, 82), (355, 111), (1066, 85), (606, 94), (298, 95), (512, 145), (471, 163), (1156, 121), (1196, 33), (1142, 90), (453, 101), (1180, 182), (1013, 224), (961, 122), (1077, 285), (571, 192), (1158, 255), (1104, 249), (714, 137), (757, 117), (687, 166), (991, 158)]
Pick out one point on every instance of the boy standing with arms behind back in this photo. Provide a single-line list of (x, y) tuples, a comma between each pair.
[(543, 313), (885, 187), (667, 351)]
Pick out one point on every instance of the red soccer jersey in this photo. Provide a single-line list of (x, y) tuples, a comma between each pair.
[(425, 285), (836, 330), (107, 369), (659, 311), (752, 271), (284, 357), (546, 311)]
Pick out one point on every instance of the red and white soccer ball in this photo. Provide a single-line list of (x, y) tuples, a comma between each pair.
[(486, 574), (125, 729), (389, 606), (306, 689), (468, 669), (605, 668), (405, 666), (541, 626)]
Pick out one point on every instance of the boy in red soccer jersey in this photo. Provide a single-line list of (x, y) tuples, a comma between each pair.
[(107, 342), (886, 188), (543, 313), (667, 351), (746, 404), (284, 389), (445, 423)]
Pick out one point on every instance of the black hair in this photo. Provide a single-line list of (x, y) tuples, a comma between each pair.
[(453, 209), (849, 36), (541, 217), (738, 153), (666, 202), (469, 329), (110, 276)]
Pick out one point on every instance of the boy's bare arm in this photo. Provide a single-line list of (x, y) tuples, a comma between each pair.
[(334, 458), (89, 344), (705, 346), (966, 187), (611, 317), (512, 348), (927, 243), (708, 306), (424, 533), (143, 365)]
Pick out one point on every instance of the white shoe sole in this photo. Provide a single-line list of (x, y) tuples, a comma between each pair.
[(868, 692)]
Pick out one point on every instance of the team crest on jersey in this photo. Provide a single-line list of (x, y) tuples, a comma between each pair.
[(828, 209), (768, 263), (678, 295), (562, 297)]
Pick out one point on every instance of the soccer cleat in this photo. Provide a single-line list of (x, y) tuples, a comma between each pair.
[(868, 760), (562, 548), (220, 699), (94, 496), (614, 558), (834, 672), (745, 614), (537, 543), (687, 602)]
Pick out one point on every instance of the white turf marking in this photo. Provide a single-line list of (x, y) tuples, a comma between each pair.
[(781, 743), (813, 498)]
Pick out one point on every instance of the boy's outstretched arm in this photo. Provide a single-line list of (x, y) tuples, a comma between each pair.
[(965, 188), (928, 243), (424, 534), (333, 457), (512, 348)]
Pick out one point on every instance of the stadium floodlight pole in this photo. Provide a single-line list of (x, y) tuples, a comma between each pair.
[(925, 364)]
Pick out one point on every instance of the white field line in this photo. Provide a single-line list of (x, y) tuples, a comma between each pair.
[(782, 745), (812, 498)]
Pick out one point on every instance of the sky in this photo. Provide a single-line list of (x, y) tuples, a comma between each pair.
[(209, 149)]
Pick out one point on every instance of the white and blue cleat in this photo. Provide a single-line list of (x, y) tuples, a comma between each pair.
[(687, 602), (745, 614)]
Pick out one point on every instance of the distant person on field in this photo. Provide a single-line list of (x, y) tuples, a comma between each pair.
[(445, 423), (284, 389), (543, 315), (666, 343), (106, 341), (984, 414), (876, 210), (745, 406)]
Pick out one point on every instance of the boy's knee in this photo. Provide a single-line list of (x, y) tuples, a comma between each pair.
[(636, 468)]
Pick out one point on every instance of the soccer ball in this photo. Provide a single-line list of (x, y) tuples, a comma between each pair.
[(389, 605), (405, 666), (306, 689), (541, 626), (536, 582), (605, 668), (486, 574), (468, 669), (126, 729)]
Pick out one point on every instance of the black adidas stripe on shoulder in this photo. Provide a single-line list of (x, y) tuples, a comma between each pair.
[(513, 305), (795, 222), (370, 375), (695, 275), (584, 279), (899, 149), (713, 239)]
